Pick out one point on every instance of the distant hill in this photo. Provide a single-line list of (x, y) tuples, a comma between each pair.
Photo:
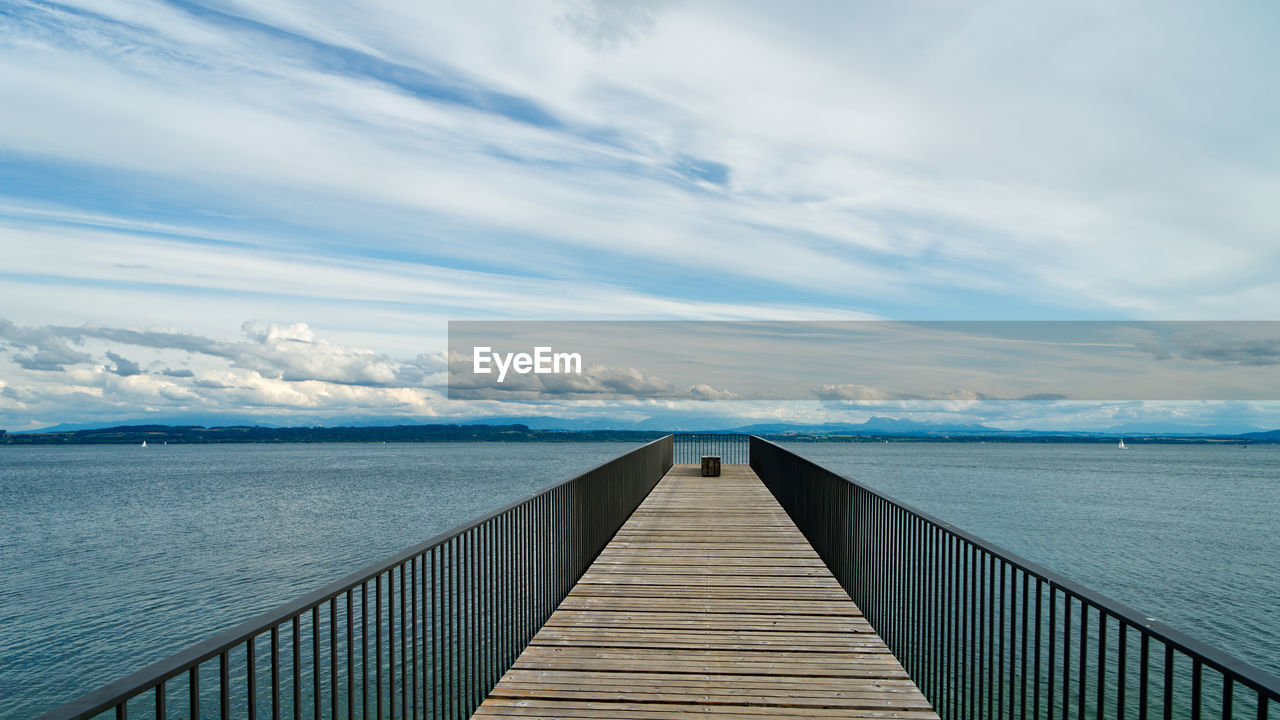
[(873, 426), (876, 428), (188, 434), (1171, 428), (1268, 436)]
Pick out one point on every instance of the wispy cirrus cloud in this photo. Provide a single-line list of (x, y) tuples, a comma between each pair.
[(890, 196)]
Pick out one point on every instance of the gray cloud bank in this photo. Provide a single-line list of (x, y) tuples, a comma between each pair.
[(1219, 347), (292, 353), (90, 371), (287, 373), (878, 361)]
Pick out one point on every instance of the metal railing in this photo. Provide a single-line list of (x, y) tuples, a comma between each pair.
[(987, 634), (426, 633), (731, 449)]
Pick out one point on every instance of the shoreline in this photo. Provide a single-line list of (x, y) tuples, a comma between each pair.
[(199, 435)]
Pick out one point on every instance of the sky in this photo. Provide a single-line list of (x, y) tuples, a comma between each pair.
[(269, 211)]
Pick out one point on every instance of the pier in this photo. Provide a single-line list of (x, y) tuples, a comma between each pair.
[(707, 601), (641, 590)]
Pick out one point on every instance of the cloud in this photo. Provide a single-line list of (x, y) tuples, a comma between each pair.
[(604, 25), (281, 367), (45, 349), (702, 170), (702, 391), (289, 352), (856, 394), (454, 138), (1224, 348), (1244, 344), (1154, 347), (294, 353), (124, 367), (859, 394)]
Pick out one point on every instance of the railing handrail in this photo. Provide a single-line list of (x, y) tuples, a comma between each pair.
[(138, 682), (1243, 671), (718, 433)]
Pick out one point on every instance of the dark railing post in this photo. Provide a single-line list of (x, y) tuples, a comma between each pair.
[(950, 607)]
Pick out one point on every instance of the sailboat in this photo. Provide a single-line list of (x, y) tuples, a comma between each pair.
[(1122, 445), (144, 443)]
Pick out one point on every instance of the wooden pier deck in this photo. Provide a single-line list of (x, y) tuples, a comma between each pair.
[(708, 602)]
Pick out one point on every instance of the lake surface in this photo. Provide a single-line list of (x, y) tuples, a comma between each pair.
[(113, 557)]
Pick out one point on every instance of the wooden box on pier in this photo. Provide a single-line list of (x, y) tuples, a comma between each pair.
[(711, 466)]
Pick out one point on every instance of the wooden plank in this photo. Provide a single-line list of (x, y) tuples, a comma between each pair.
[(718, 682), (708, 602), (733, 696)]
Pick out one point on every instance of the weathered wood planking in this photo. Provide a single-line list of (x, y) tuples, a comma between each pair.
[(708, 602)]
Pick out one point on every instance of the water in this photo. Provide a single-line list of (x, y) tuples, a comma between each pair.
[(114, 557), (1188, 534)]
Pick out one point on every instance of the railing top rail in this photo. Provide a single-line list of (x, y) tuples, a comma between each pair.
[(140, 681), (1253, 676), (692, 435)]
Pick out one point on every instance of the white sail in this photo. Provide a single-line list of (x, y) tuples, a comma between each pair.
[(144, 443), (1122, 445)]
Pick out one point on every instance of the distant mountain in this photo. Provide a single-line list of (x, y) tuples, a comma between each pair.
[(1271, 435), (658, 422), (676, 421), (682, 422), (212, 421), (542, 422), (182, 421), (873, 426), (168, 434), (1171, 428), (663, 421)]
